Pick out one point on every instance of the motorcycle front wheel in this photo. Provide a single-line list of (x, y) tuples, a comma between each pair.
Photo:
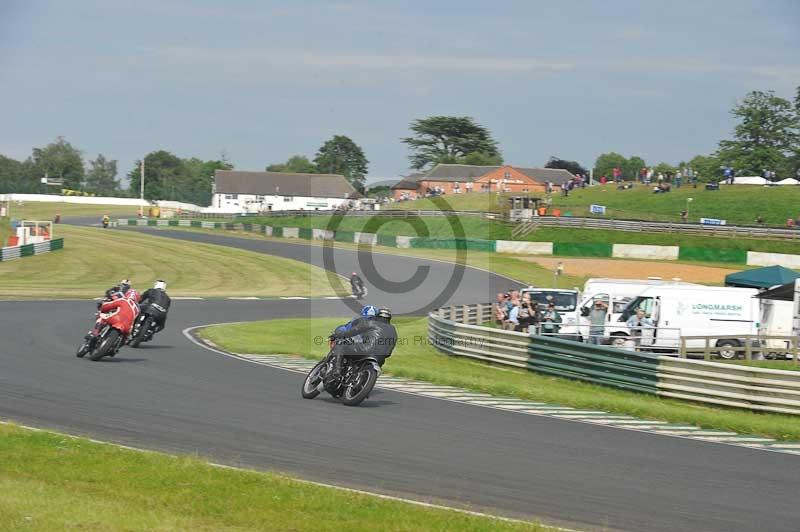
[(312, 386), (141, 332), (359, 385), (107, 345)]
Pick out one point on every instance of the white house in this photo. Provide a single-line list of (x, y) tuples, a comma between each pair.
[(236, 191)]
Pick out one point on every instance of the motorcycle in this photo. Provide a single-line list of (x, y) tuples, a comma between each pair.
[(353, 384), (360, 292), (109, 339), (144, 328)]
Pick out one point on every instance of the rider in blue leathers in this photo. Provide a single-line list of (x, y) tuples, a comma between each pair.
[(367, 313)]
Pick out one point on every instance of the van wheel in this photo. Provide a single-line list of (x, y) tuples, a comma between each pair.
[(727, 349), (618, 340)]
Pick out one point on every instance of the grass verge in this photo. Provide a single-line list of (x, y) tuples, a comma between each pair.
[(480, 228), (40, 210), (739, 204), (416, 359), (93, 259), (501, 264), (55, 482)]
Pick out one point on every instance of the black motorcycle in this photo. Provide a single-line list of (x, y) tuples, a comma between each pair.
[(360, 292), (144, 328), (353, 384)]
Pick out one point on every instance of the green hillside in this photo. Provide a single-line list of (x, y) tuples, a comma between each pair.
[(739, 204), (481, 228)]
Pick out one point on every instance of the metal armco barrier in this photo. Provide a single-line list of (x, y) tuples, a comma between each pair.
[(457, 331), (28, 250)]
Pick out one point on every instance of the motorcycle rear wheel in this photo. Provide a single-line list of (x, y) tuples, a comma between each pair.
[(360, 385), (312, 384), (141, 333), (107, 345)]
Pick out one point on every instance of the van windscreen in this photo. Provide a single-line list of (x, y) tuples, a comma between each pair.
[(563, 301)]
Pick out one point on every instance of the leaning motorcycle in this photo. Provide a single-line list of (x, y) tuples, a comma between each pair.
[(360, 292), (109, 339), (144, 328), (353, 384)]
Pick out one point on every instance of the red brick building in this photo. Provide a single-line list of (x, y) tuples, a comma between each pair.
[(464, 179)]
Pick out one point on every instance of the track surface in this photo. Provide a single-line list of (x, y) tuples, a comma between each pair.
[(176, 396)]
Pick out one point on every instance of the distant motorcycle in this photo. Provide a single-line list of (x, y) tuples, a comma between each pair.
[(108, 341), (353, 384), (360, 292)]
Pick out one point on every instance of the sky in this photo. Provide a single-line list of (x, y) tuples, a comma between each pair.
[(261, 81)]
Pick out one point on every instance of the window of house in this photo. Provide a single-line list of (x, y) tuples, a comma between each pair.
[(288, 198), (507, 175), (260, 199), (231, 196)]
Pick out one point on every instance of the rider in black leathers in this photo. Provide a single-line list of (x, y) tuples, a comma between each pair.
[(366, 336), (155, 302), (356, 285)]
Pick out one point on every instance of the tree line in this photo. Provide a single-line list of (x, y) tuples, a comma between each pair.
[(765, 139)]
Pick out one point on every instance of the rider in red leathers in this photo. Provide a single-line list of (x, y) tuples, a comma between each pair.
[(127, 311)]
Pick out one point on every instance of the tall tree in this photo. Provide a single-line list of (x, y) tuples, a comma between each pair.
[(197, 179), (340, 155), (479, 158), (447, 139), (297, 164), (101, 177), (706, 167), (59, 159), (764, 138), (570, 166), (605, 164), (12, 176), (162, 176), (632, 166)]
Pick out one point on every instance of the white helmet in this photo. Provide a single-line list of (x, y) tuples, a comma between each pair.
[(160, 285)]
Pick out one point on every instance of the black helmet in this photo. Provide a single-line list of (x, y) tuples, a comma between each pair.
[(385, 313)]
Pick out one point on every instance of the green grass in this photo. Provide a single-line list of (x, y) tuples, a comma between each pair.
[(94, 259), (787, 365), (479, 228), (415, 359), (40, 210), (54, 482), (739, 204)]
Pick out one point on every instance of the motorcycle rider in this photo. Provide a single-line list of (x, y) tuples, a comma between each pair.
[(357, 285), (374, 336), (128, 291), (155, 302), (127, 310)]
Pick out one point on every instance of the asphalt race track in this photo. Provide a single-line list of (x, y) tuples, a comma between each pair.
[(175, 396)]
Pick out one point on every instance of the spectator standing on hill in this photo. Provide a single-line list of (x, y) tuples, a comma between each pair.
[(684, 216), (527, 316), (617, 174), (678, 178), (597, 321), (513, 312)]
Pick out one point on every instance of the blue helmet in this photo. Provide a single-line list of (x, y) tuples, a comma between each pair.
[(369, 311)]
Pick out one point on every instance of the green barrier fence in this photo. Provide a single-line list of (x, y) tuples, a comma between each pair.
[(737, 256), (277, 231), (588, 249), (26, 250), (131, 222), (593, 363), (173, 223), (306, 233), (471, 244), (152, 223), (387, 240), (344, 236), (196, 223), (56, 243)]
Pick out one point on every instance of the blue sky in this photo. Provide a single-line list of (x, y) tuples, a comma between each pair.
[(264, 80)]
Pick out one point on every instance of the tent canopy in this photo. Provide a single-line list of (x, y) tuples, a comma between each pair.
[(784, 292), (761, 277)]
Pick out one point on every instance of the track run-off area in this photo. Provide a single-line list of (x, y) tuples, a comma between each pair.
[(177, 396)]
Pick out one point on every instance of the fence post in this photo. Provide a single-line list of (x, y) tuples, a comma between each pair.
[(748, 354), (479, 313), (465, 310), (706, 354), (683, 347)]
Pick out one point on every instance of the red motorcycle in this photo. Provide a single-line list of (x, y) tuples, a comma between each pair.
[(112, 333)]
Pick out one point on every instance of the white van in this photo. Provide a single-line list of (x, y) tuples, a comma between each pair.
[(616, 293), (692, 311), (565, 301), (776, 320)]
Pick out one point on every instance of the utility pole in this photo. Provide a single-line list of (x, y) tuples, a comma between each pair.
[(141, 190)]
